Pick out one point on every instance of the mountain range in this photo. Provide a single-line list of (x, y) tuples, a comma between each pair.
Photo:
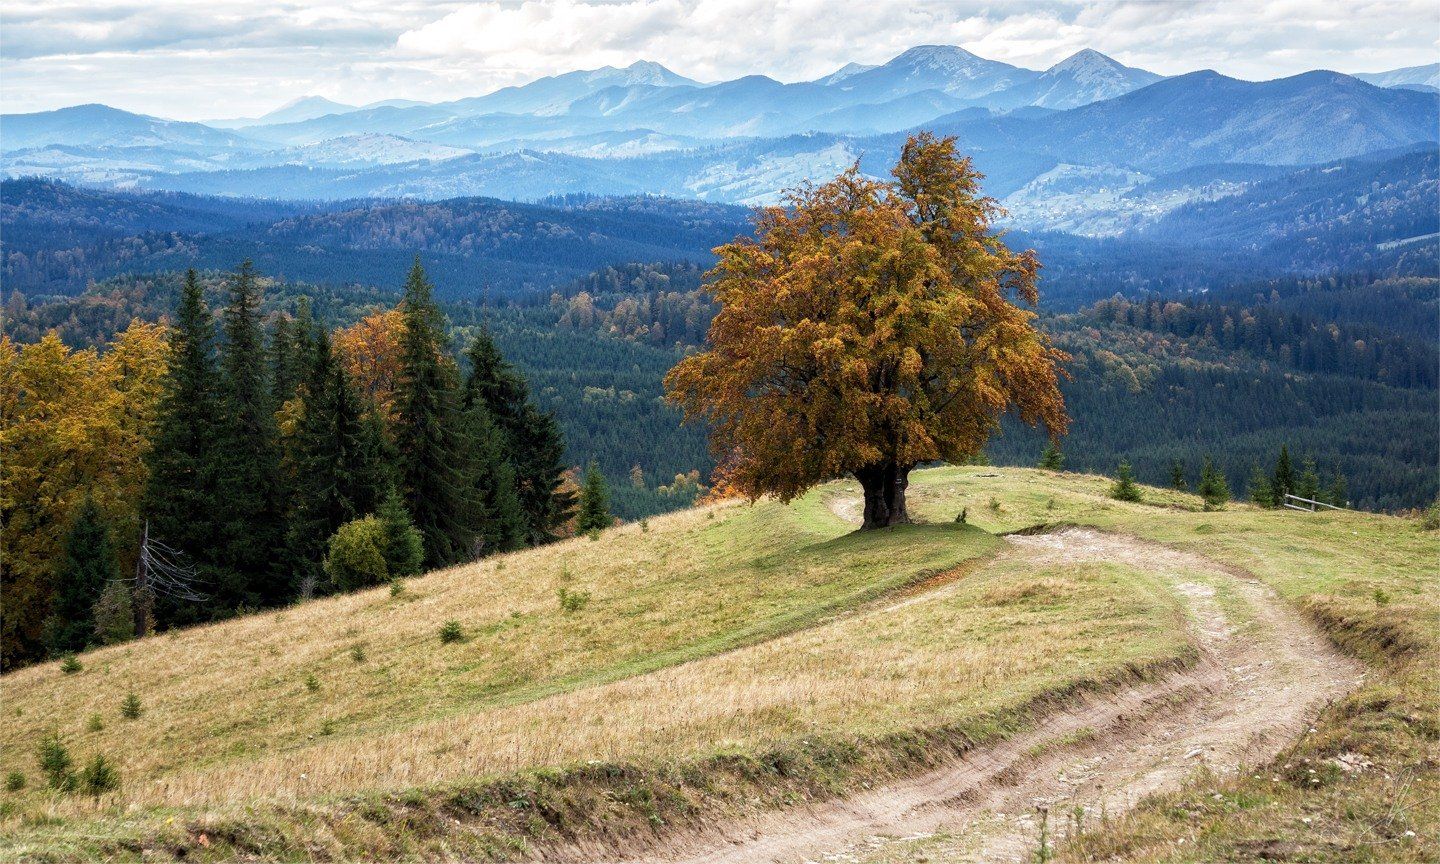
[(1062, 145)]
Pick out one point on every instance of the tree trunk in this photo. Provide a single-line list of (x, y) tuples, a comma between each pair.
[(884, 484)]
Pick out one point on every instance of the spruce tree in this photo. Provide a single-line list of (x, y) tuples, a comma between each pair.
[(180, 498), (404, 548), (534, 444), (1214, 488), (336, 477), (433, 478), (1177, 476), (284, 377), (1283, 481), (594, 512), (502, 526), (1052, 459), (249, 533), (86, 566), (1259, 488), (1308, 483), (1337, 492), (1124, 488)]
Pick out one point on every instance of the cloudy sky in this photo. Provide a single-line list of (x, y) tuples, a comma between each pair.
[(197, 59)]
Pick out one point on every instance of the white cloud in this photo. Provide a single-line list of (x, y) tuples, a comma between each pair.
[(191, 59)]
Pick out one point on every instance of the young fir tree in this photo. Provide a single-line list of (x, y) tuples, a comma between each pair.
[(337, 475), (594, 512), (1259, 488), (1337, 493), (250, 530), (532, 436), (284, 377), (403, 547), (433, 477), (1307, 485), (1177, 476), (86, 566), (1214, 488), (1125, 488), (1052, 459), (1283, 479), (180, 498)]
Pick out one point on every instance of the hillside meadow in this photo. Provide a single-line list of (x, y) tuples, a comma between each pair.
[(703, 664)]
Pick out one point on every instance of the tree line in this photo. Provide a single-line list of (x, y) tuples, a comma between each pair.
[(269, 461)]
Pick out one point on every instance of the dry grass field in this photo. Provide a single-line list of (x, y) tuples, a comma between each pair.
[(710, 639)]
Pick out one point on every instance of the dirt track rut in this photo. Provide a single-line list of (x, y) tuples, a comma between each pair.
[(1263, 673)]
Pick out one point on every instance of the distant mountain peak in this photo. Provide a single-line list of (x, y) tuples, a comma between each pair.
[(844, 72), (1086, 59), (942, 58)]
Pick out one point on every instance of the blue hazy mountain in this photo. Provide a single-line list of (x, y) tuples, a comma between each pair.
[(96, 125), (1080, 79), (1425, 77), (947, 68)]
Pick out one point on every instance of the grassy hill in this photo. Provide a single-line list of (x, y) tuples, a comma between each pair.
[(707, 664)]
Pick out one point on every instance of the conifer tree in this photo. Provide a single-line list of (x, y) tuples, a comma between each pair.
[(337, 475), (1259, 488), (594, 512), (1124, 488), (502, 526), (1283, 482), (534, 444), (1177, 476), (1214, 488), (1337, 492), (114, 614), (86, 566), (1308, 483), (1052, 459), (180, 498), (433, 479), (284, 377), (247, 542), (404, 548)]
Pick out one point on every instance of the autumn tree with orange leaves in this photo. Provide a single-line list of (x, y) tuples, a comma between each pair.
[(870, 327)]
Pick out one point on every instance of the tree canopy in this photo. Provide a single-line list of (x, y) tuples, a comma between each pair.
[(870, 327)]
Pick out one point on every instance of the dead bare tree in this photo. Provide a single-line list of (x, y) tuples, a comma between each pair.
[(161, 571)]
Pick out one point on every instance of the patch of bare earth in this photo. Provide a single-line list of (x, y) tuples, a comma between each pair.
[(1262, 675)]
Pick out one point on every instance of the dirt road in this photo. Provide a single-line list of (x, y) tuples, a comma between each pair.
[(1263, 673)]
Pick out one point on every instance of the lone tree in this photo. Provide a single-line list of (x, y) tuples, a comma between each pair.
[(870, 327)]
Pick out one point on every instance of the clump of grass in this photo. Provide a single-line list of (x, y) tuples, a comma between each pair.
[(14, 781), (1382, 597), (71, 664), (357, 653), (327, 728), (312, 683), (572, 601), (451, 631), (130, 708)]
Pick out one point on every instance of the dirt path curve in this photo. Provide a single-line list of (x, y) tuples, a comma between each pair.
[(1263, 673)]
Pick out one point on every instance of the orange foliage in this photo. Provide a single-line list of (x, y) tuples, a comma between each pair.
[(370, 349), (869, 327)]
